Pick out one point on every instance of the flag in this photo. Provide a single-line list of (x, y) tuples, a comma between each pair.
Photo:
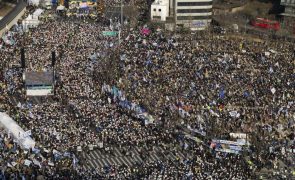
[(57, 155), (222, 94), (233, 113), (75, 160), (145, 31), (67, 154), (37, 163), (115, 91), (35, 150), (246, 94), (9, 165), (27, 162)]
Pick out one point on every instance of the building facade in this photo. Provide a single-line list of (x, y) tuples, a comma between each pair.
[(160, 10), (193, 14), (289, 8)]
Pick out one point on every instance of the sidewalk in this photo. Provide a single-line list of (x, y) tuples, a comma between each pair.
[(5, 9)]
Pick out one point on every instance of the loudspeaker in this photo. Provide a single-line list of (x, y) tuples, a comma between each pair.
[(53, 58), (22, 58)]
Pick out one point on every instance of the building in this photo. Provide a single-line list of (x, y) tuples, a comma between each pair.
[(160, 10), (194, 14), (228, 7), (289, 15), (39, 83), (289, 8)]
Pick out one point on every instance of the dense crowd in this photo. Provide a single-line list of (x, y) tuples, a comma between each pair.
[(210, 81), (216, 85)]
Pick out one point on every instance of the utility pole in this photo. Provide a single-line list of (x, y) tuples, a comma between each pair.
[(121, 12)]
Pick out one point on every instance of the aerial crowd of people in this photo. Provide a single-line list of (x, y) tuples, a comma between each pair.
[(214, 84)]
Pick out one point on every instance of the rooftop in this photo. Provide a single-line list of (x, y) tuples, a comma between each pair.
[(288, 2), (39, 78), (228, 4)]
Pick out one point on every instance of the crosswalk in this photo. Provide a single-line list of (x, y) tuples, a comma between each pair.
[(15, 99), (33, 99), (99, 159)]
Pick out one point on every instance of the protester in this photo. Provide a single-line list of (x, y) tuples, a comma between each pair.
[(139, 92)]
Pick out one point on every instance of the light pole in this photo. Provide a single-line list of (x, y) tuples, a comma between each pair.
[(119, 34), (121, 12)]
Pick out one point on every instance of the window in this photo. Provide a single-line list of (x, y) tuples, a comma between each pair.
[(194, 10), (194, 3), (155, 9), (159, 10), (193, 17), (157, 17)]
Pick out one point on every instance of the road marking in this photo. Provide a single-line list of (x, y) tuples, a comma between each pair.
[(91, 164)]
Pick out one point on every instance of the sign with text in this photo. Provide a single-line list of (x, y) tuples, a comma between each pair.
[(109, 33)]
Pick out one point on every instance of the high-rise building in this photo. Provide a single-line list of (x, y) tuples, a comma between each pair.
[(289, 8), (160, 10), (194, 14)]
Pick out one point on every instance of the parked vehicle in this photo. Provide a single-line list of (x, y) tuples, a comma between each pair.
[(266, 24)]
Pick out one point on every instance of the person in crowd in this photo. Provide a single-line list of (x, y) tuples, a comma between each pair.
[(138, 92)]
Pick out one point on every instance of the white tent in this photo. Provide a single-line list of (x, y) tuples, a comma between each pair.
[(30, 22), (60, 8), (34, 2), (37, 13), (22, 137)]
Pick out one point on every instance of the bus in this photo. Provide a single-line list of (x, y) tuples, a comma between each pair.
[(266, 24)]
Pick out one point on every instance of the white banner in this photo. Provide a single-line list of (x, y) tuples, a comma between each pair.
[(27, 134), (11, 126), (229, 142), (27, 162), (238, 135)]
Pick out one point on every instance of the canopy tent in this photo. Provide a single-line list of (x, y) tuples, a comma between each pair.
[(37, 13), (34, 2), (60, 8), (30, 22), (22, 137)]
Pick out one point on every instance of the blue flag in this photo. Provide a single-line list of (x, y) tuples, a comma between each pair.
[(222, 94), (246, 94)]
